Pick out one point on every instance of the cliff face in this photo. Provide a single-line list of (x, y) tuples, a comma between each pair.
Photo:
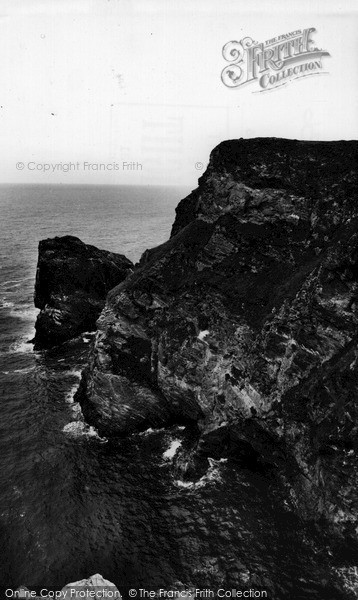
[(245, 322), (72, 281)]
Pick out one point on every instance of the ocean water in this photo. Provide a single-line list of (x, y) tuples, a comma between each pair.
[(73, 504)]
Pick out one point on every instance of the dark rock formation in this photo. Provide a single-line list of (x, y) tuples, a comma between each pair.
[(245, 322), (72, 281)]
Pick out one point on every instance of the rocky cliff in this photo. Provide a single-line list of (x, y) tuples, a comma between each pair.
[(72, 281), (244, 324)]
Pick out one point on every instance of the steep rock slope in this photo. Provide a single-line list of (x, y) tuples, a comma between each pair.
[(72, 281), (245, 322)]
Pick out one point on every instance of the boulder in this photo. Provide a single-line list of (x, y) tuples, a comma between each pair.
[(93, 587)]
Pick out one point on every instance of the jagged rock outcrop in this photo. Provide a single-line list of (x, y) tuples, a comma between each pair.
[(245, 321), (72, 281), (93, 587)]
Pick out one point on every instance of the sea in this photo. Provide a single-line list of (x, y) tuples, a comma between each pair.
[(73, 503)]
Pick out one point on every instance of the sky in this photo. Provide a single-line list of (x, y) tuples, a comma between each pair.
[(137, 84)]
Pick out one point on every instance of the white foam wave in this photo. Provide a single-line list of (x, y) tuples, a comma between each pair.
[(6, 304), (26, 370), (214, 462), (203, 334), (150, 430), (212, 475), (17, 281), (185, 484), (80, 429), (75, 428), (74, 406), (75, 372), (24, 313), (88, 336), (12, 286), (77, 411), (172, 450), (70, 395), (21, 347)]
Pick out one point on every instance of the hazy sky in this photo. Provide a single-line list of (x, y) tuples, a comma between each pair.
[(107, 81)]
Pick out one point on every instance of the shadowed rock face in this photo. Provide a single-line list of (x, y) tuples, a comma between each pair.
[(245, 321), (72, 281)]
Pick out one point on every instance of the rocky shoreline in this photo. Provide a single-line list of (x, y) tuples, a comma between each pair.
[(243, 324)]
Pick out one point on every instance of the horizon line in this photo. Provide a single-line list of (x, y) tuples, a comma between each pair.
[(58, 184)]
